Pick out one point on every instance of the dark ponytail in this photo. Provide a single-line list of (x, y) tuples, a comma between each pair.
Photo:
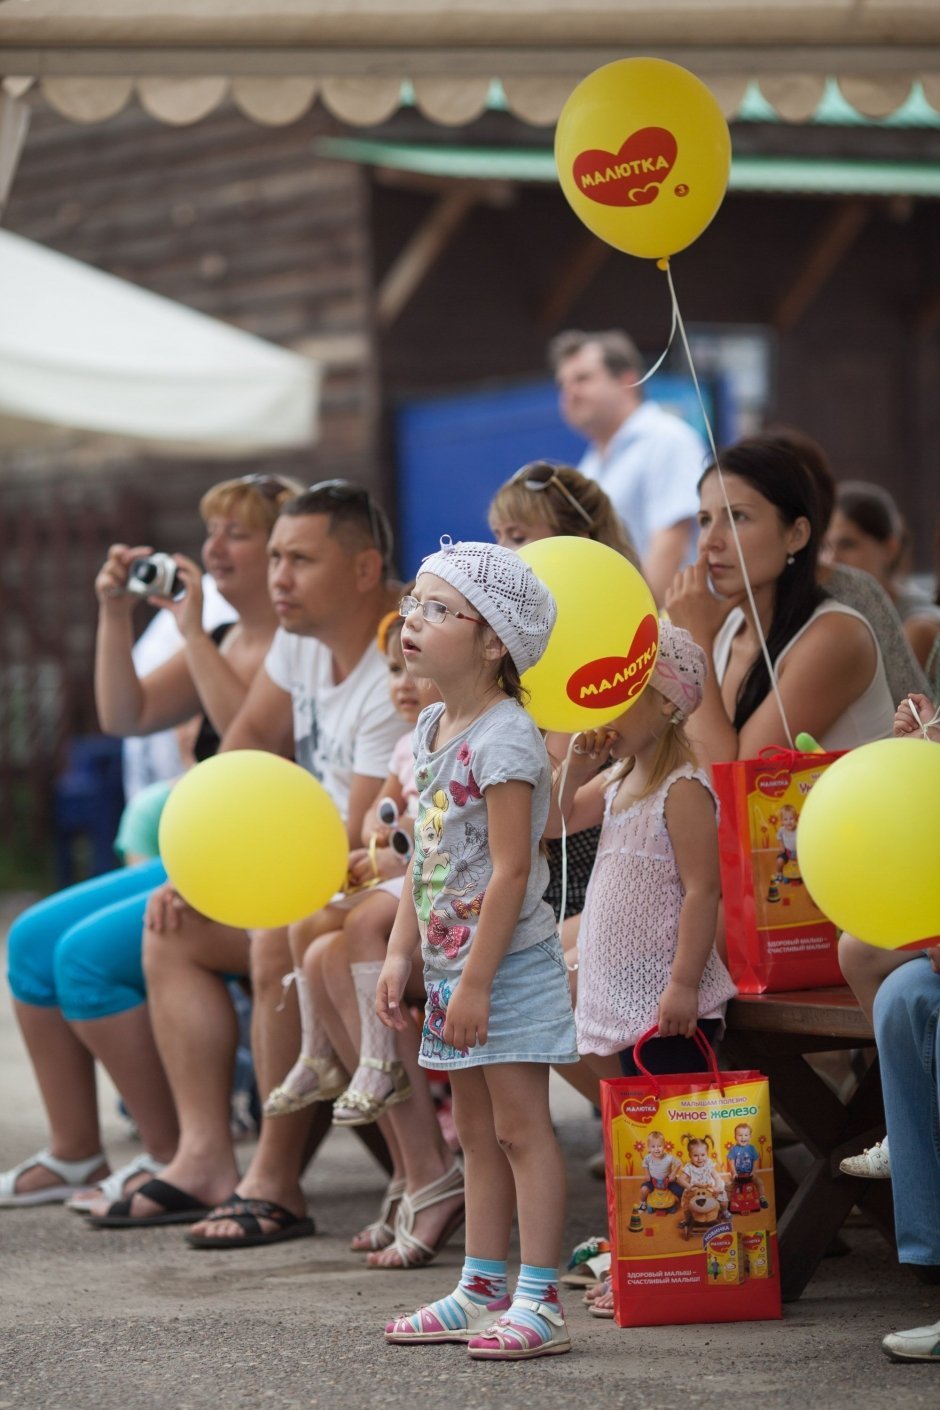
[(773, 467)]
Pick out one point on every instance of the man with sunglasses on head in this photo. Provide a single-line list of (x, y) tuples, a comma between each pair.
[(321, 698), (648, 461)]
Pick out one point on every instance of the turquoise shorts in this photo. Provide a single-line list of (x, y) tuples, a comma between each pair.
[(81, 949)]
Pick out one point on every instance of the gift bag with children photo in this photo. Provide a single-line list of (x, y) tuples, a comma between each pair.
[(690, 1196), (777, 938)]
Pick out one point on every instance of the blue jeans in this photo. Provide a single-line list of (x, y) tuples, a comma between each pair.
[(907, 1008), (81, 950)]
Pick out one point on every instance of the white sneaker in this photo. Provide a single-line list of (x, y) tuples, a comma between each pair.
[(872, 1164), (919, 1344)]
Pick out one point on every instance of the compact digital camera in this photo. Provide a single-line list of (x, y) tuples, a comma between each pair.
[(155, 576)]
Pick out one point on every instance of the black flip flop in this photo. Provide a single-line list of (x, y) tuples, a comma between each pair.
[(178, 1207), (247, 1214)]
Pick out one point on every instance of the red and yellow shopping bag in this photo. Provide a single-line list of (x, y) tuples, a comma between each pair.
[(777, 937), (690, 1196)]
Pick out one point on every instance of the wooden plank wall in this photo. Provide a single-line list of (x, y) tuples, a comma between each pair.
[(242, 223), (857, 367)]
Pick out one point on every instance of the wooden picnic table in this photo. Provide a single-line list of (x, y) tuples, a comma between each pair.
[(776, 1033)]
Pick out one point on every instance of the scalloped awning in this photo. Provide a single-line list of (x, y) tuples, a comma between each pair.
[(362, 58)]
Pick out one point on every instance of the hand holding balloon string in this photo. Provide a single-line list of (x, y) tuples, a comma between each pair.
[(911, 718), (594, 745)]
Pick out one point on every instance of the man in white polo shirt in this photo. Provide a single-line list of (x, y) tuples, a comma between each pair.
[(648, 461), (322, 697)]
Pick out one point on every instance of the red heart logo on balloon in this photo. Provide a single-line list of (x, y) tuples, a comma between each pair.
[(634, 175), (613, 680)]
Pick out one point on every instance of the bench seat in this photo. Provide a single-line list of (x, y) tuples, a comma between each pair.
[(776, 1033)]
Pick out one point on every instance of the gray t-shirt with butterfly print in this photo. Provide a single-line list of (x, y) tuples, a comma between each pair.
[(452, 866)]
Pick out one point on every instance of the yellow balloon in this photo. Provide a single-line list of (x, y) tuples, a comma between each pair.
[(252, 840), (604, 642), (643, 155), (867, 842)]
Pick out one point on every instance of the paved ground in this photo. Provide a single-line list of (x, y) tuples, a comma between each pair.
[(137, 1321)]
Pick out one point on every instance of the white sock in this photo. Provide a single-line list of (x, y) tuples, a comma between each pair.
[(377, 1041), (314, 1042)]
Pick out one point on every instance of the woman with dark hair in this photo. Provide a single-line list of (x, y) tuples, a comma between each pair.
[(826, 659), (852, 585), (868, 532)]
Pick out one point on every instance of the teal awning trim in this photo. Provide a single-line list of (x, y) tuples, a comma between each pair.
[(817, 176), (833, 110)]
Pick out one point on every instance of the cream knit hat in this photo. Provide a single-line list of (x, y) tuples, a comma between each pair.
[(505, 592)]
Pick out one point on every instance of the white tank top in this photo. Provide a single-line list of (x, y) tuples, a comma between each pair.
[(870, 716)]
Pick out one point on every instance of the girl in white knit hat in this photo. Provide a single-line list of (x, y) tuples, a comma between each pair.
[(498, 1011)]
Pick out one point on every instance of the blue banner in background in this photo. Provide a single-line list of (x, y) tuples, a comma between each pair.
[(455, 451)]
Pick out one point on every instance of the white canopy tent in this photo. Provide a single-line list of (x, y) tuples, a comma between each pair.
[(82, 349)]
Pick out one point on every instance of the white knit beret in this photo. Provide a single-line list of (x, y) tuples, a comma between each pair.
[(680, 669), (505, 592)]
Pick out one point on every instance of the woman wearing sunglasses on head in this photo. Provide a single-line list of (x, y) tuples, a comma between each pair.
[(74, 959), (544, 500)]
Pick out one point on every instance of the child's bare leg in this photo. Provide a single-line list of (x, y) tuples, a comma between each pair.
[(425, 1154), (480, 1295), (316, 1075), (302, 934), (491, 1190), (335, 1002), (534, 1324), (585, 1076), (865, 967), (523, 1126)]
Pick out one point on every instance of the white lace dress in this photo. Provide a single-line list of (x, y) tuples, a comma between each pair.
[(630, 927)]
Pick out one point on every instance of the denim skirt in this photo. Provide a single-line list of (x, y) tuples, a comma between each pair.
[(531, 1018)]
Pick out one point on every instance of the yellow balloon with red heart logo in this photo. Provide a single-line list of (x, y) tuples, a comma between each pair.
[(643, 155), (604, 643)]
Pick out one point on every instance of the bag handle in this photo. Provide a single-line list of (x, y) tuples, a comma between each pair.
[(775, 754), (792, 758), (704, 1047)]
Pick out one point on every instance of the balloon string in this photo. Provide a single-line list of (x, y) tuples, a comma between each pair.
[(678, 323), (562, 780), (665, 352)]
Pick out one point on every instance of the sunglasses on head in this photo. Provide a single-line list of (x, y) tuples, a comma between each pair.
[(269, 486), (342, 492), (542, 475)]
